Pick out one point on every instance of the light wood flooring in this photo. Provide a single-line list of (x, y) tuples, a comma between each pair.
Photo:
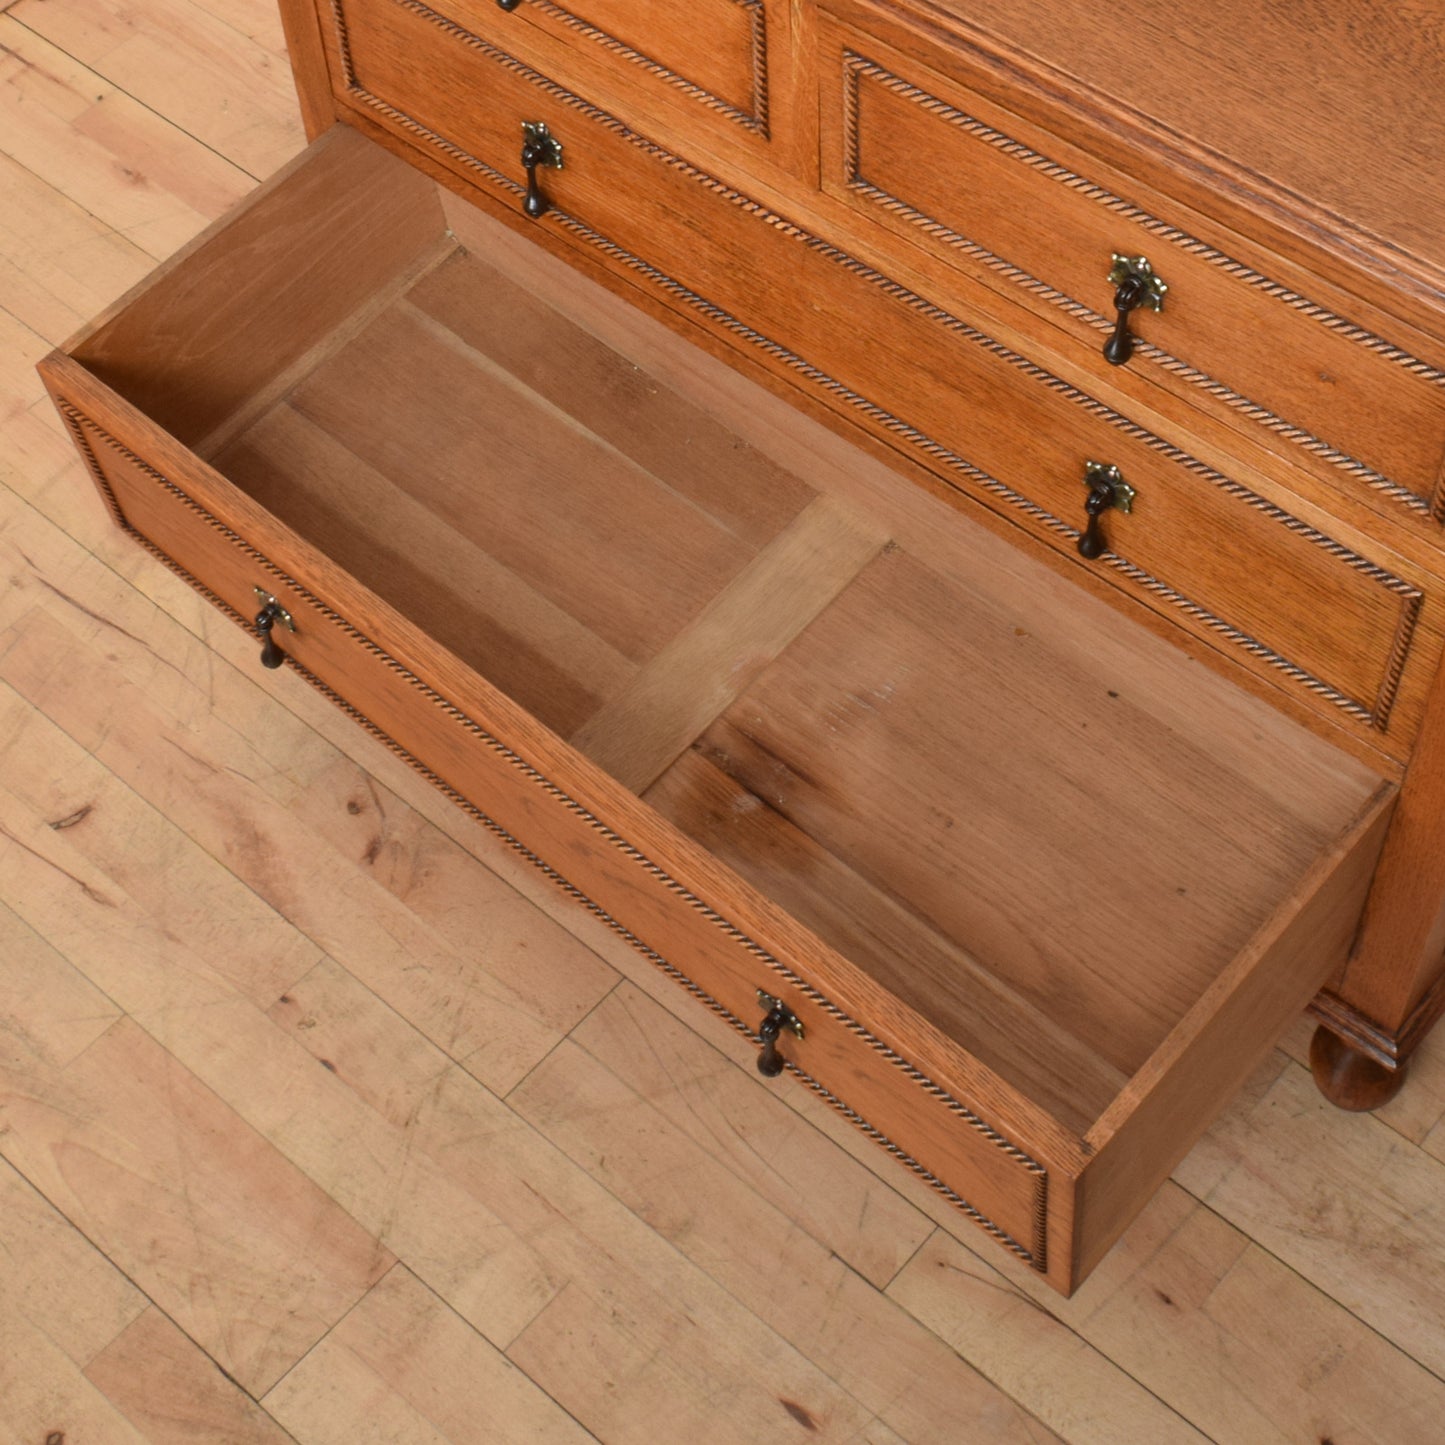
[(322, 1119)]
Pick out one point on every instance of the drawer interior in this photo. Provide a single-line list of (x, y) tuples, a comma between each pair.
[(1039, 826)]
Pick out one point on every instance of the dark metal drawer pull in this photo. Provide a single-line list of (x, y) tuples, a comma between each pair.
[(508, 4), (1106, 489), (1136, 284), (539, 148), (270, 614), (779, 1017)]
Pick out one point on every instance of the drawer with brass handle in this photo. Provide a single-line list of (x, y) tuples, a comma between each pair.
[(713, 79), (924, 158)]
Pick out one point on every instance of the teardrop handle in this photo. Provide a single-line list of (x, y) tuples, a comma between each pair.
[(539, 148), (1107, 489), (779, 1017), (1136, 284), (266, 619)]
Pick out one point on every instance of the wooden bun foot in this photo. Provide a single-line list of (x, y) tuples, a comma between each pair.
[(1349, 1079)]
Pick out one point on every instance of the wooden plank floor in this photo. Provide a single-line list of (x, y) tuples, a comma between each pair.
[(323, 1120)]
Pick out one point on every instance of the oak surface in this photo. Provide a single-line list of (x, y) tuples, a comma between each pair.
[(1246, 1318)]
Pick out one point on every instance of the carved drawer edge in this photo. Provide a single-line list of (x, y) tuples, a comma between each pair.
[(857, 66), (1034, 1254), (755, 120)]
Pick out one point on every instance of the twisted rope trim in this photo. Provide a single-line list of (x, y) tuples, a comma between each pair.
[(1374, 714), (755, 120), (1036, 1256), (858, 67)]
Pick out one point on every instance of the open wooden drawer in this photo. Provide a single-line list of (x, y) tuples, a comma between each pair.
[(1025, 890)]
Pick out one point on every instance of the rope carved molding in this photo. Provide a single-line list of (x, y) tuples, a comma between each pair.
[(753, 118)]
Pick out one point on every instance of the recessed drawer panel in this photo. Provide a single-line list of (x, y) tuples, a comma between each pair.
[(718, 60), (707, 79), (926, 158)]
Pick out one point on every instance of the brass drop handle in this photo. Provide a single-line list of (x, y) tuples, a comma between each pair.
[(539, 148), (1106, 489), (1136, 284), (779, 1017), (270, 614)]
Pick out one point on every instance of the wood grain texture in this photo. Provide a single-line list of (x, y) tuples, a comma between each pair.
[(1248, 338), (1401, 949), (594, 1113), (204, 1196), (903, 950), (575, 516), (1345, 160), (992, 1148), (402, 1366), (749, 1129), (139, 174), (228, 86), (56, 1279), (1189, 1310), (343, 231), (643, 410), (1072, 1387), (533, 649), (1208, 1056), (171, 1390), (707, 666), (1300, 1210), (486, 1001), (44, 1396), (896, 362)]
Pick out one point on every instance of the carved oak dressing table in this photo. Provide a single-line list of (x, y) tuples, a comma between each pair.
[(925, 518)]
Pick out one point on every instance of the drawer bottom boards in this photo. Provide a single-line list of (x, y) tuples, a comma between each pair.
[(1031, 890)]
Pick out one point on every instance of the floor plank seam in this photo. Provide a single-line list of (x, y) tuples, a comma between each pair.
[(275, 1385), (135, 100), (566, 1037)]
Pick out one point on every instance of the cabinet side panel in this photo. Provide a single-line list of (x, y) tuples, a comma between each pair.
[(308, 65)]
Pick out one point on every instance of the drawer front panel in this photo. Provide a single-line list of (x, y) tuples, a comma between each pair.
[(1223, 561), (705, 81), (930, 161), (189, 523), (718, 61)]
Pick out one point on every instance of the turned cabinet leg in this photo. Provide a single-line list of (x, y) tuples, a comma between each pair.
[(1350, 1079)]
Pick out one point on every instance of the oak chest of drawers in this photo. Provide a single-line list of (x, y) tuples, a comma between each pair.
[(962, 595)]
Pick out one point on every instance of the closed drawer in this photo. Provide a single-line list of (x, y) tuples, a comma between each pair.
[(710, 80), (927, 159), (844, 759), (1348, 633)]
